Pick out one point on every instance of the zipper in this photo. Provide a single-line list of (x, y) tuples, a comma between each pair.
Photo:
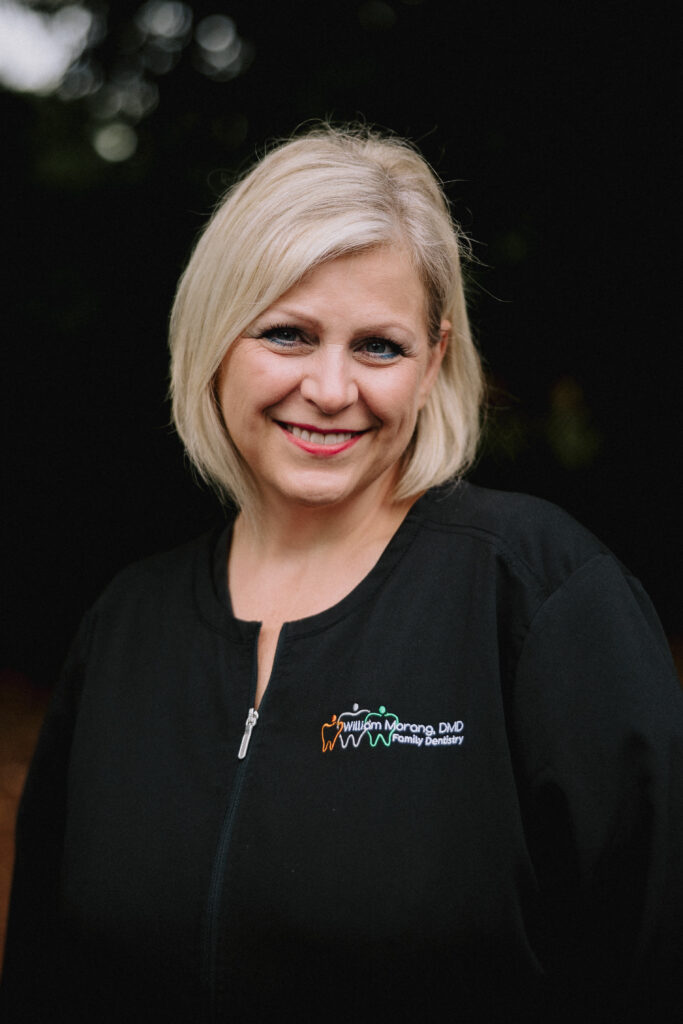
[(211, 925), (252, 719), (225, 835)]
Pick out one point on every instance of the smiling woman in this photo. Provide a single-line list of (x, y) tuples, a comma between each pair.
[(384, 742), (307, 203)]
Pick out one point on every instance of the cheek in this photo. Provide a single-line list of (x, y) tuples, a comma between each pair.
[(396, 403), (251, 386), (408, 398), (234, 404)]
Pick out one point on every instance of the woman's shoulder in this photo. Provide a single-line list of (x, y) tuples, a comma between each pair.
[(554, 563), (530, 532), (163, 577)]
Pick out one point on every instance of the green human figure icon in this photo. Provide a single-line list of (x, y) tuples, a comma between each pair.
[(381, 725)]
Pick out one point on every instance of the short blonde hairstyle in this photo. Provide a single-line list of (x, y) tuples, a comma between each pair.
[(330, 192)]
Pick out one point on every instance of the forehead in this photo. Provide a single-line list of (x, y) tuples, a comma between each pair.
[(378, 280)]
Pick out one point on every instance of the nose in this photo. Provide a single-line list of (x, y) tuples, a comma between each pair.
[(329, 379)]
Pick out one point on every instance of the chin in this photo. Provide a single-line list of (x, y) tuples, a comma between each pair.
[(315, 492), (317, 498)]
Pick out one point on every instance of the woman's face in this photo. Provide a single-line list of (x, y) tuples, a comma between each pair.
[(321, 393)]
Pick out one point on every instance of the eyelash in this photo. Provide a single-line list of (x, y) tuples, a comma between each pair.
[(396, 349), (278, 328)]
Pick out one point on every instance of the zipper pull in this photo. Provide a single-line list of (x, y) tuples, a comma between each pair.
[(252, 719)]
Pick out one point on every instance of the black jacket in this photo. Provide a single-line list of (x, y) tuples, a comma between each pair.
[(465, 784)]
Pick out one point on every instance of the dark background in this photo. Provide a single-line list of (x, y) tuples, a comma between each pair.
[(554, 128)]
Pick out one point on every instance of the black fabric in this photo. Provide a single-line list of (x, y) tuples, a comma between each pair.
[(497, 827)]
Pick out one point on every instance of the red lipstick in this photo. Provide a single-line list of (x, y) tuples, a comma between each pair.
[(293, 432)]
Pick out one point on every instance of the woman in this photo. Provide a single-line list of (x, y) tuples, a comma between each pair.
[(380, 747)]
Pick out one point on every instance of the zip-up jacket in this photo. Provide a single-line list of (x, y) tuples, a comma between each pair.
[(463, 788)]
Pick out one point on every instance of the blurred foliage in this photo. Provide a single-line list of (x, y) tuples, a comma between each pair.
[(566, 428)]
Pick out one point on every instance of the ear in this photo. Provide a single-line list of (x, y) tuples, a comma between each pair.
[(434, 359)]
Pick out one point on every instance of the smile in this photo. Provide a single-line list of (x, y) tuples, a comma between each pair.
[(319, 442), (317, 437)]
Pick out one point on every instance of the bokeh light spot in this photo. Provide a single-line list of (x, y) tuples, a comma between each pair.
[(167, 20), (216, 33), (82, 79), (221, 53), (115, 142), (36, 49)]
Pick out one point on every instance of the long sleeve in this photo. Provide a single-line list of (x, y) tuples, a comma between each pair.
[(30, 981), (531, 870), (598, 722)]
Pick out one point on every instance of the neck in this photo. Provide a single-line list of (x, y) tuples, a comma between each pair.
[(280, 529)]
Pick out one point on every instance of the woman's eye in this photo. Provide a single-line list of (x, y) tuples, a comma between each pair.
[(381, 348), (286, 337)]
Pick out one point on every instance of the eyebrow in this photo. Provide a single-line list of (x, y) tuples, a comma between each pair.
[(275, 313)]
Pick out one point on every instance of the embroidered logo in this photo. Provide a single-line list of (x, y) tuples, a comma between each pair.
[(330, 733), (380, 726), (384, 728)]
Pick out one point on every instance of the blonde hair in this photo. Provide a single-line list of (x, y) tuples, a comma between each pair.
[(327, 193)]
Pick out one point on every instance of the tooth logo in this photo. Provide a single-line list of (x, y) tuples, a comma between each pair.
[(380, 726), (384, 726), (330, 733), (353, 723)]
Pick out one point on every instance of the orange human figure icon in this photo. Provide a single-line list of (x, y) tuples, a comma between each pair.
[(333, 724)]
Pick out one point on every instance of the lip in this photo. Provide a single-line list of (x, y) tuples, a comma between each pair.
[(316, 448)]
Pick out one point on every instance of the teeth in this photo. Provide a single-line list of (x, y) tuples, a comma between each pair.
[(318, 438)]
